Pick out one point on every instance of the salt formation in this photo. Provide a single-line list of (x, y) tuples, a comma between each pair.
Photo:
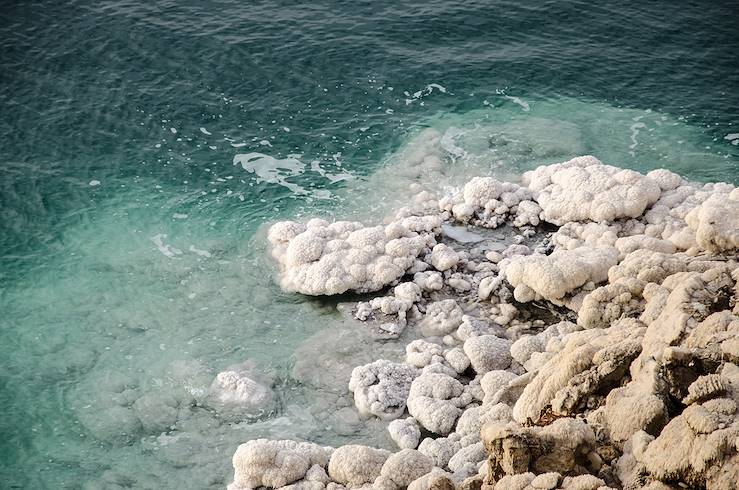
[(577, 330)]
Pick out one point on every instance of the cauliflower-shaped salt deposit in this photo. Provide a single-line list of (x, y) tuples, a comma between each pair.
[(436, 401), (319, 258), (583, 189), (716, 222), (381, 388), (355, 465), (442, 317), (401, 469), (488, 352), (421, 353), (274, 464), (553, 276), (241, 390), (487, 202), (443, 257), (405, 432)]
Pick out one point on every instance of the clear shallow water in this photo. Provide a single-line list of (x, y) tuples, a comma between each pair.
[(155, 277)]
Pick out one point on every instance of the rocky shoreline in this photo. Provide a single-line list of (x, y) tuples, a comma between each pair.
[(576, 330)]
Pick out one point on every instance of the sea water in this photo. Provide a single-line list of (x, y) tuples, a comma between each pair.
[(144, 146)]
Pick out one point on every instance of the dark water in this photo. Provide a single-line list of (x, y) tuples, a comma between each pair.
[(102, 151)]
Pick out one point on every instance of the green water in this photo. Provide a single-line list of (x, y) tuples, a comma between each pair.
[(133, 266)]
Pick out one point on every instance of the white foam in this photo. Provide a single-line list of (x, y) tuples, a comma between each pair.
[(634, 133), (448, 142), (519, 101), (272, 170), (205, 131), (94, 183), (165, 249), (202, 253)]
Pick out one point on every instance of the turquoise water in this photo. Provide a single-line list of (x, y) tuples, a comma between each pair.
[(133, 264)]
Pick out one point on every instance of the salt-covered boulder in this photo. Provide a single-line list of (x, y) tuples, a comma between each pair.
[(436, 401), (274, 464), (441, 449), (354, 465), (554, 276), (528, 346), (436, 479), (442, 317), (405, 432), (487, 202), (562, 446), (443, 257), (606, 304), (716, 222), (319, 258), (589, 361), (241, 390), (583, 189), (381, 388), (698, 448), (401, 468), (421, 353), (488, 352)]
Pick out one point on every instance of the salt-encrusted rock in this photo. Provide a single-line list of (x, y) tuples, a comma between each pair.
[(611, 302), (474, 453), (584, 350), (648, 266), (716, 222), (436, 401), (553, 276), (402, 301), (677, 306), (698, 448), (436, 479), (443, 257), (487, 202), (354, 465), (583, 189), (473, 327), (561, 446), (442, 317), (551, 481), (302, 485), (440, 450), (574, 234), (317, 473), (429, 280), (488, 352), (626, 245), (631, 409), (421, 353), (457, 359), (401, 469), (241, 390), (321, 258), (381, 388), (495, 380), (528, 345), (666, 179), (405, 432), (274, 464), (706, 387)]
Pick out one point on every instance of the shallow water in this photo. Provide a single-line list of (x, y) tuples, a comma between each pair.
[(143, 144)]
